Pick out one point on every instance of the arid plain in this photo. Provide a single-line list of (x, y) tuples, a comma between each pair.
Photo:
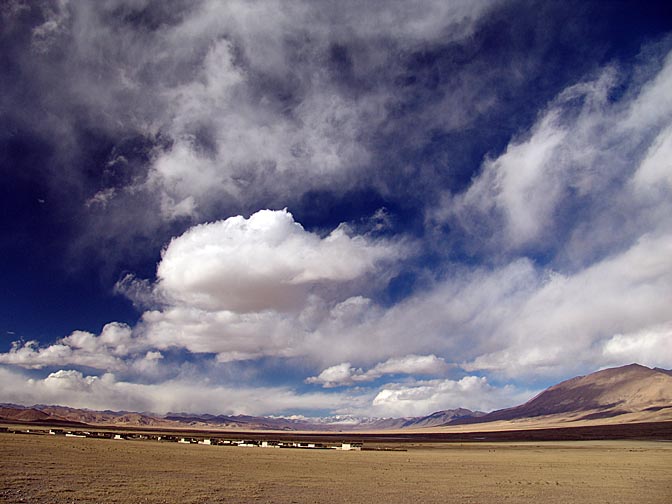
[(55, 469)]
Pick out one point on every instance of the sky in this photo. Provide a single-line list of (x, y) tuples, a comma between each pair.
[(317, 208)]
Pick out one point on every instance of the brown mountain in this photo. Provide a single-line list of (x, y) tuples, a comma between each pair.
[(102, 417), (53, 415), (10, 413), (22, 414), (442, 418), (603, 394)]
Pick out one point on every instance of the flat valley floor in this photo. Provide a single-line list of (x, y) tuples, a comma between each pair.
[(54, 469)]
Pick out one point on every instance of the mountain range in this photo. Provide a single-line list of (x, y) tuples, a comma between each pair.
[(63, 415), (626, 394)]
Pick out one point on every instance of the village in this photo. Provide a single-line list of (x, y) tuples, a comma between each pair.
[(197, 440)]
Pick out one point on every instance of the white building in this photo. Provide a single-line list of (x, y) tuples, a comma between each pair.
[(349, 446)]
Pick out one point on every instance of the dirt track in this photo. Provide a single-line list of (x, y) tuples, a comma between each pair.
[(52, 469)]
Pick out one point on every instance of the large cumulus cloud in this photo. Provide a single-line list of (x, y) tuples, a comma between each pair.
[(266, 262), (245, 288)]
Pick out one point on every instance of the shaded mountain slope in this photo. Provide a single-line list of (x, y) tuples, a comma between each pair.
[(606, 393), (442, 418)]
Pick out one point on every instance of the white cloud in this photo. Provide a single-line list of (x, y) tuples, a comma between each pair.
[(266, 262), (72, 388), (592, 175), (47, 34), (101, 198), (69, 380), (653, 105), (651, 346), (29, 354), (557, 326), (148, 364), (410, 364), (258, 152), (340, 374), (247, 288), (140, 291), (75, 389), (246, 111), (345, 374), (586, 166), (240, 98), (521, 184), (655, 171), (449, 320), (516, 320), (112, 350), (232, 336), (425, 397)]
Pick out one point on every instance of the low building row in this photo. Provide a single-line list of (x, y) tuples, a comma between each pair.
[(211, 441)]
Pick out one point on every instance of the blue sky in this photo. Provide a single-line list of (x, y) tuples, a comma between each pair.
[(327, 208)]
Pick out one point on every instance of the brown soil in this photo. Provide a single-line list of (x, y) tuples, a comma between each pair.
[(54, 469)]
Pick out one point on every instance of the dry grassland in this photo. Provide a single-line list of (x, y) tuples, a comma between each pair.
[(51, 469)]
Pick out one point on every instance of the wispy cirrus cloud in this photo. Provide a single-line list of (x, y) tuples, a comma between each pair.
[(215, 108), (589, 175)]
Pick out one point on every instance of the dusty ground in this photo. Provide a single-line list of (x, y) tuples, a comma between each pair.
[(54, 469)]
